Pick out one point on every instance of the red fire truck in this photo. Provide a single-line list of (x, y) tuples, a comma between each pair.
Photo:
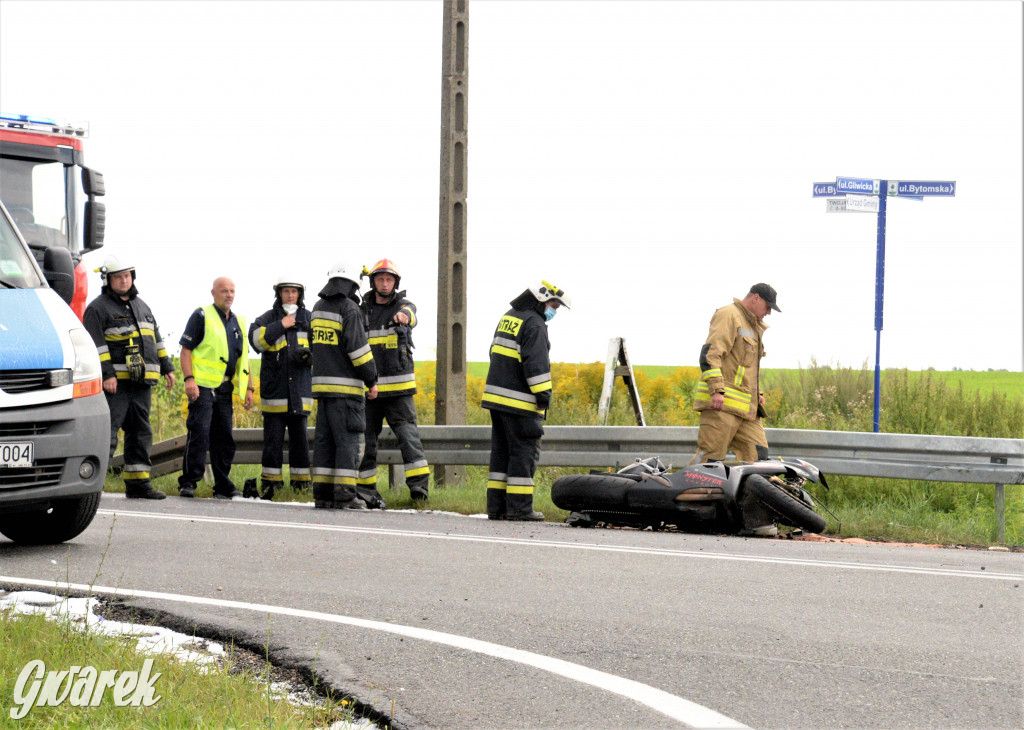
[(49, 192)]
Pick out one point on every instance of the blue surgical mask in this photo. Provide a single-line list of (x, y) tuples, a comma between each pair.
[(549, 314)]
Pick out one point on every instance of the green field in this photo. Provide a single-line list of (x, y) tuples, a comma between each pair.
[(984, 382)]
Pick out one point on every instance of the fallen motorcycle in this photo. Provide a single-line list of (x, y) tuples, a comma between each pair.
[(711, 497)]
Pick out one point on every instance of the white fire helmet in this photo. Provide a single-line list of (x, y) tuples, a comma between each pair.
[(346, 270), (114, 265), (547, 292), (286, 281)]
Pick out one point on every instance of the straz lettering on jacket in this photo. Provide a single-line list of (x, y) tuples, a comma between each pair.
[(326, 335), (510, 325)]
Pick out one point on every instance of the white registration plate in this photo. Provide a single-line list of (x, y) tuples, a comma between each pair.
[(12, 455)]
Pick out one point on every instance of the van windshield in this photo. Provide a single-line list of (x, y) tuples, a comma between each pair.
[(34, 192), (17, 267)]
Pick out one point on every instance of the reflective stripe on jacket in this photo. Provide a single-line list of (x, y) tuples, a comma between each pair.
[(519, 375), (730, 361), (342, 362), (210, 355), (396, 372), (113, 324), (286, 386)]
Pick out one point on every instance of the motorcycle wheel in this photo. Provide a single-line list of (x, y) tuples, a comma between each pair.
[(580, 492), (791, 511)]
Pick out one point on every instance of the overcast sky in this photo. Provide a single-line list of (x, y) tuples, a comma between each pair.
[(654, 159)]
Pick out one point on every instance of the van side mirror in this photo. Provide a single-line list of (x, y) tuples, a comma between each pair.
[(95, 224), (92, 182), (59, 270)]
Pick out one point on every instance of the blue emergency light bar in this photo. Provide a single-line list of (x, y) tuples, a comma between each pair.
[(27, 119), (41, 124)]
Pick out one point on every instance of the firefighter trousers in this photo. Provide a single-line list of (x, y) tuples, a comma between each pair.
[(337, 448), (274, 427), (209, 424), (515, 451), (721, 432), (129, 411), (400, 413)]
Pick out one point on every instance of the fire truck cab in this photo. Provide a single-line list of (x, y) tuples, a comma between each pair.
[(50, 193)]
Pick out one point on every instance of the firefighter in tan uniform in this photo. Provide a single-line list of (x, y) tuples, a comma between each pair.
[(728, 396)]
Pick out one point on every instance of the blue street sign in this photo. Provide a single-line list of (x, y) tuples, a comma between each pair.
[(906, 189), (941, 188), (826, 190), (858, 185)]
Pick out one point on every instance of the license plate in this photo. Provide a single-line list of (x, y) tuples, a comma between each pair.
[(12, 455)]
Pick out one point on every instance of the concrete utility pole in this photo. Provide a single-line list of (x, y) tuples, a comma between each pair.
[(450, 393)]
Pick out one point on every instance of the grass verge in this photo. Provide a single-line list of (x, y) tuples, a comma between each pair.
[(220, 695)]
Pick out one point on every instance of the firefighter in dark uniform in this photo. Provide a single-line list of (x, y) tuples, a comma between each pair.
[(517, 394), (343, 370), (281, 334), (390, 318), (215, 367), (133, 358)]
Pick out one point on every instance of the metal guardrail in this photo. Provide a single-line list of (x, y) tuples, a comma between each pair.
[(851, 453)]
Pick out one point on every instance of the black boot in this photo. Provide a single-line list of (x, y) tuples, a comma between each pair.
[(249, 490), (519, 508), (370, 497), (346, 497), (758, 521), (323, 496), (495, 504), (418, 494), (531, 516), (143, 492)]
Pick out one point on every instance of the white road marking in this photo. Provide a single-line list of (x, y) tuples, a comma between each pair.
[(703, 555), (686, 712)]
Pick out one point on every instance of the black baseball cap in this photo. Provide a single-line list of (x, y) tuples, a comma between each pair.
[(767, 293)]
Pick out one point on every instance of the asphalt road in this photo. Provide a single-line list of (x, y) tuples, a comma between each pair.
[(458, 622)]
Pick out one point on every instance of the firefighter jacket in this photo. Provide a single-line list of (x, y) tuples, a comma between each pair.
[(730, 361), (391, 344), (342, 362), (519, 376), (213, 352), (286, 377), (117, 327)]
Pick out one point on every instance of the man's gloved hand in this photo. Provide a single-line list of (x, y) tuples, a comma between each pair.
[(303, 356)]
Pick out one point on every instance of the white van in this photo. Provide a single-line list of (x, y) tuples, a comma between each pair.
[(54, 420)]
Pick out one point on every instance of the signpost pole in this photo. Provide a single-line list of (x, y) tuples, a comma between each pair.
[(879, 296), (856, 190)]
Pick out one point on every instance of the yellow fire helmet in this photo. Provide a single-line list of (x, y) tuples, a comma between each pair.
[(386, 266)]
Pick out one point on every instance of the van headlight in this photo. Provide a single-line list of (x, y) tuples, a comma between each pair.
[(87, 375)]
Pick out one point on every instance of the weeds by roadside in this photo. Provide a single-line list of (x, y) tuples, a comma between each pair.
[(235, 689)]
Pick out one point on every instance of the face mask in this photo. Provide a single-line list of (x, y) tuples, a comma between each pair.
[(290, 308), (549, 314)]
